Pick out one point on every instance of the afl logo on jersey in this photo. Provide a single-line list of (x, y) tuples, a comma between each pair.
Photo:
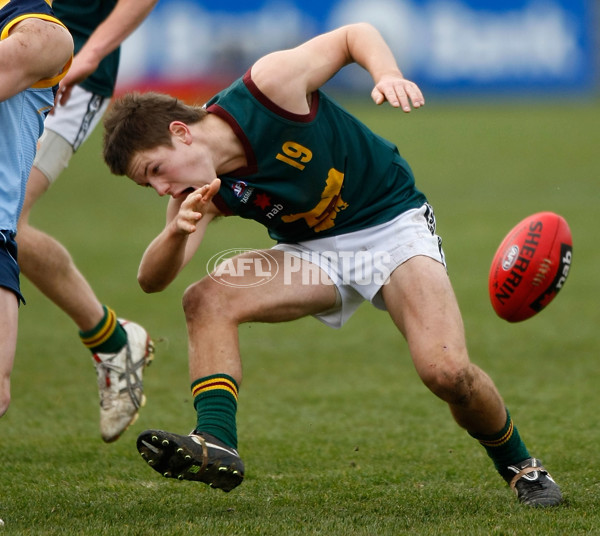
[(239, 188), (241, 191)]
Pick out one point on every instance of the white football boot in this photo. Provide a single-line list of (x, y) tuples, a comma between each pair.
[(120, 381)]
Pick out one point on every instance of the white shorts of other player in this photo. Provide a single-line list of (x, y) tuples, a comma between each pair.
[(66, 129)]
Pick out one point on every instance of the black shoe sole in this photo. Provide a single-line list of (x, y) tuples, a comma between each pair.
[(180, 457)]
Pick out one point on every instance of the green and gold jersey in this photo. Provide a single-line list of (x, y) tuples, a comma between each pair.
[(309, 176), (82, 17)]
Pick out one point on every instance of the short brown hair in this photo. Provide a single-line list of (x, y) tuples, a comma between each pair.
[(140, 121)]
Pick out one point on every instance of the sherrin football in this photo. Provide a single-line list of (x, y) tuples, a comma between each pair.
[(530, 266)]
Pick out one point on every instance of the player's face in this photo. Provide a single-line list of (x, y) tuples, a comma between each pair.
[(173, 171)]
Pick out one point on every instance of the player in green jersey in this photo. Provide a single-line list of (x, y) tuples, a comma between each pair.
[(350, 226)]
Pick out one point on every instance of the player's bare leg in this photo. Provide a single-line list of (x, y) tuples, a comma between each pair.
[(8, 343), (126, 348), (422, 304), (50, 267), (214, 310)]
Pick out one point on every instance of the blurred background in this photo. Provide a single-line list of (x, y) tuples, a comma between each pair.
[(454, 47)]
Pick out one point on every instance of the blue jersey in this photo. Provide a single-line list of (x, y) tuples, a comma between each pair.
[(21, 117), (13, 11)]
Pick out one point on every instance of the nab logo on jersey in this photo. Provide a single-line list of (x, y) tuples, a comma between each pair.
[(278, 207)]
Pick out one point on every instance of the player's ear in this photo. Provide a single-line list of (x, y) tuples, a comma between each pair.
[(181, 131)]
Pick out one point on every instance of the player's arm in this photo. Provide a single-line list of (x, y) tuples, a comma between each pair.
[(35, 49), (173, 248), (126, 16), (288, 76)]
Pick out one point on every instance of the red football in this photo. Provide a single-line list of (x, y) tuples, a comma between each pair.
[(530, 266)]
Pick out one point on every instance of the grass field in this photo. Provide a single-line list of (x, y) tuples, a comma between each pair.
[(338, 434)]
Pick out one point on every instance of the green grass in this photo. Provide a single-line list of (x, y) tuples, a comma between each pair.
[(338, 434)]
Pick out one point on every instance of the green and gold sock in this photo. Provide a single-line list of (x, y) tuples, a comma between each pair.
[(108, 337), (504, 448), (215, 400)]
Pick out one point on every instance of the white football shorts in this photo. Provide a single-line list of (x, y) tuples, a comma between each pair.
[(360, 263), (66, 129)]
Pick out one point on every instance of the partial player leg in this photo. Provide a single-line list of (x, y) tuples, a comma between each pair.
[(120, 349), (50, 267), (214, 308), (8, 343), (422, 304)]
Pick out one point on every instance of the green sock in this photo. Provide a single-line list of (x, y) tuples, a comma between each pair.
[(215, 400), (504, 448), (108, 337)]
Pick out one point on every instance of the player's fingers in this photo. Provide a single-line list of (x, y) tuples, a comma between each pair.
[(186, 226), (409, 94), (65, 94), (187, 219), (396, 97), (377, 96), (398, 92), (212, 189), (404, 101), (415, 95), (192, 198)]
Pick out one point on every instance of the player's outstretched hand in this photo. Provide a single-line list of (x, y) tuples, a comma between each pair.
[(83, 66), (398, 91), (194, 205)]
